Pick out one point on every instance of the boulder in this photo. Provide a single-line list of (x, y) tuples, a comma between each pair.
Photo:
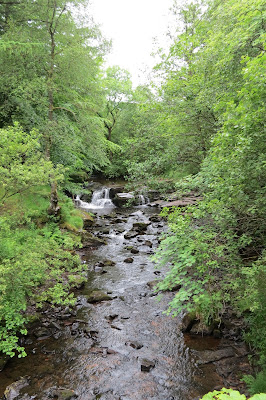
[(122, 199)]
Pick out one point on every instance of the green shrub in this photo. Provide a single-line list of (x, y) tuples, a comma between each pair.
[(227, 394)]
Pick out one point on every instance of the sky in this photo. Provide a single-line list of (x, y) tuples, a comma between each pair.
[(132, 25)]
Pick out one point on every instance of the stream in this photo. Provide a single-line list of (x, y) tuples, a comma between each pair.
[(122, 346)]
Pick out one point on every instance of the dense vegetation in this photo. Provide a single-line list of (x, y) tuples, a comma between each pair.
[(199, 126)]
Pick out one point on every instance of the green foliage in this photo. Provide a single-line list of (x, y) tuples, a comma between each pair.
[(256, 384), (50, 80), (225, 394), (32, 265), (215, 91), (21, 162)]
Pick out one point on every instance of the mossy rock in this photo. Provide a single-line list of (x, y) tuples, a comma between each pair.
[(96, 296), (89, 240)]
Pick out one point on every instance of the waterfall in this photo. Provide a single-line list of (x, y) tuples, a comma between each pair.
[(143, 200), (100, 199)]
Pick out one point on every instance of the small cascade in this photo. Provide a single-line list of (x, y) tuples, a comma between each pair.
[(142, 200), (100, 199)]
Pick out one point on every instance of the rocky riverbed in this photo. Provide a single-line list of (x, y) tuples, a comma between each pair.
[(117, 343)]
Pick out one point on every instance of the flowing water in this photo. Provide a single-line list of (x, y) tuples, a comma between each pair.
[(124, 348)]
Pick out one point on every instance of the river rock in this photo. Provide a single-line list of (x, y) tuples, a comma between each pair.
[(130, 234), (106, 263), (209, 356), (42, 332), (134, 251), (136, 345), (61, 394), (120, 229), (89, 240), (96, 296), (147, 365), (13, 390), (148, 243), (78, 281), (122, 199), (202, 329), (153, 284), (129, 260), (140, 226), (155, 218), (187, 322)]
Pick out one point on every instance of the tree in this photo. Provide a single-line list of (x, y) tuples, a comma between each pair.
[(50, 80), (118, 91), (22, 164)]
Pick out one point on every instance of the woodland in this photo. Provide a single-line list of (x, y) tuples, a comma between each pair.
[(197, 126)]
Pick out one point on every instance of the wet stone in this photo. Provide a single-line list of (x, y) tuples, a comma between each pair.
[(148, 243), (61, 394), (134, 251), (42, 332), (140, 226), (209, 356), (96, 296), (13, 390), (146, 365), (136, 345), (129, 260), (130, 234)]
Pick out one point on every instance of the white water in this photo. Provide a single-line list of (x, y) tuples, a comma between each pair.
[(143, 200), (100, 199)]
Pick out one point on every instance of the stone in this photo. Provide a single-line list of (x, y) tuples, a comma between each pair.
[(96, 296), (187, 322), (122, 199), (153, 284), (134, 251), (217, 333), (136, 345), (155, 218), (201, 328), (209, 356), (62, 394), (89, 240), (42, 332), (108, 263), (78, 281), (129, 260), (130, 234), (140, 226), (13, 390), (148, 243), (147, 365)]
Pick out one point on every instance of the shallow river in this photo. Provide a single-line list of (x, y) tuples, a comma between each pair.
[(125, 348)]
